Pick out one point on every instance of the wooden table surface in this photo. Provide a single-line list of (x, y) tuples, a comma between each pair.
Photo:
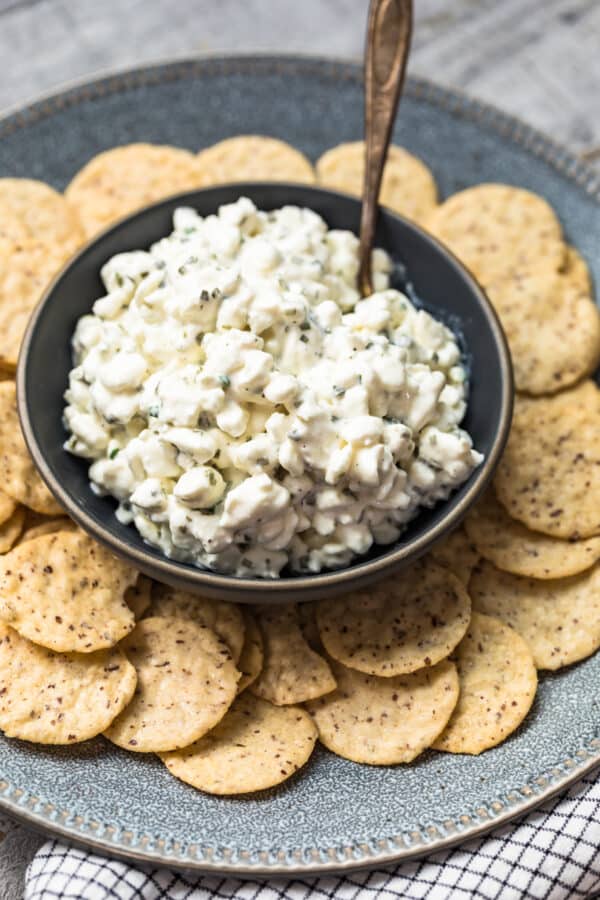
[(538, 60)]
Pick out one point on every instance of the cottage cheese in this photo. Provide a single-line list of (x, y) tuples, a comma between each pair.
[(249, 411)]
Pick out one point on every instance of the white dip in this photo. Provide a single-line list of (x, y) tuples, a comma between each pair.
[(248, 410)]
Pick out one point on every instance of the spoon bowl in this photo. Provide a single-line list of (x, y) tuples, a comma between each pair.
[(424, 269)]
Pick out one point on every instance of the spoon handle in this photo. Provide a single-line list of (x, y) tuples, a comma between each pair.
[(388, 42)]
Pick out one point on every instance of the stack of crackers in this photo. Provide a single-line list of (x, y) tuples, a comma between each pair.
[(445, 655)]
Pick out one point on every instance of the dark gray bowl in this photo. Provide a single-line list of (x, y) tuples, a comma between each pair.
[(426, 269)]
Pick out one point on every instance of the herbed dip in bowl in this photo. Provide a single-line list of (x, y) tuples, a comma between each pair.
[(237, 420), (249, 410)]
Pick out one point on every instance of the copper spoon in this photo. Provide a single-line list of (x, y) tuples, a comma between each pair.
[(386, 52)]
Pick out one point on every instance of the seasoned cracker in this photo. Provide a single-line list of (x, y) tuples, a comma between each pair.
[(32, 210), (18, 475), (225, 619), (498, 682), (26, 269), (513, 547), (250, 662), (59, 698), (384, 721), (292, 672), (549, 475), (138, 596), (256, 746), (254, 157), (498, 229), (408, 187), (458, 554), (124, 179), (11, 529), (65, 592), (186, 683), (553, 329), (399, 625), (559, 619)]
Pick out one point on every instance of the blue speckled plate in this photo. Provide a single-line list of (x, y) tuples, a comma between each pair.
[(334, 814)]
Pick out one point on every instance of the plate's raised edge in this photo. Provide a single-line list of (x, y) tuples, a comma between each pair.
[(507, 126), (147, 849), (152, 850)]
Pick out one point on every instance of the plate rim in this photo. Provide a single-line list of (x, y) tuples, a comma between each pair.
[(77, 828)]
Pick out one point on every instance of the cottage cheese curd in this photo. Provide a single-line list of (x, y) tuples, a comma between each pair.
[(248, 410)]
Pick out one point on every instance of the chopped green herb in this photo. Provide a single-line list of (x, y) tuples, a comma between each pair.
[(304, 338), (212, 479), (305, 325), (119, 279), (113, 453), (204, 296), (225, 380), (154, 411)]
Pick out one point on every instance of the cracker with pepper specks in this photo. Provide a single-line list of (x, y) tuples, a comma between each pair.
[(186, 683), (399, 625), (498, 682), (66, 592), (559, 619), (256, 746), (59, 698), (384, 721)]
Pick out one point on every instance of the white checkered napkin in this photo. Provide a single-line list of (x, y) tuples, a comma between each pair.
[(552, 854)]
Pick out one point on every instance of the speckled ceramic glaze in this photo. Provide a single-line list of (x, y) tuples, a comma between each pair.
[(334, 815)]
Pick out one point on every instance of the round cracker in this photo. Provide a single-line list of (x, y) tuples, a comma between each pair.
[(254, 157), (26, 269), (186, 683), (559, 619), (513, 547), (498, 229), (384, 721), (292, 672), (498, 682), (65, 592), (18, 474), (457, 553), (553, 329), (251, 658), (577, 273), (408, 186), (11, 529), (549, 475), (32, 210), (255, 747), (138, 596), (399, 625), (59, 698), (225, 619), (124, 179)]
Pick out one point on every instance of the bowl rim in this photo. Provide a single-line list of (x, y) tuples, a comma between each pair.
[(151, 560)]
